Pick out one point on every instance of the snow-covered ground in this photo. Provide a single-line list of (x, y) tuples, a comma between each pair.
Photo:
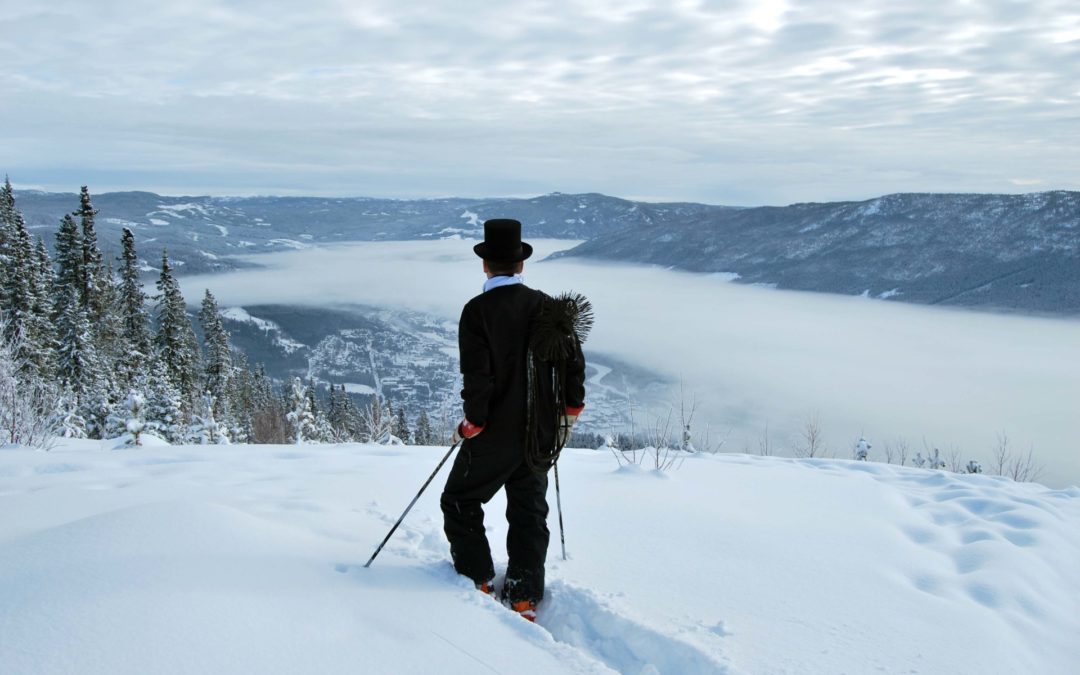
[(249, 559)]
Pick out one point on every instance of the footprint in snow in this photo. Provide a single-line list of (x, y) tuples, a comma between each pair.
[(578, 618)]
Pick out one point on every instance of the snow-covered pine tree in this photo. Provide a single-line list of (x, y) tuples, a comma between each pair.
[(324, 431), (26, 295), (424, 435), (333, 411), (313, 401), (16, 256), (129, 419), (401, 426), (164, 407), (241, 395), (27, 403), (93, 269), (7, 218), (135, 320), (337, 414), (178, 350), (268, 422), (78, 368), (300, 416), (69, 259), (41, 333), (109, 329), (69, 422), (218, 362), (205, 429), (351, 415), (376, 423)]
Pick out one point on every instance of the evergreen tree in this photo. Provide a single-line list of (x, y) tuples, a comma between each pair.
[(27, 305), (205, 428), (129, 417), (300, 416), (41, 331), (268, 421), (7, 221), (353, 423), (217, 366), (93, 270), (340, 415), (78, 366), (135, 320), (69, 258), (164, 404), (401, 426), (15, 254), (241, 395), (424, 435), (177, 347), (71, 423), (108, 332), (27, 403)]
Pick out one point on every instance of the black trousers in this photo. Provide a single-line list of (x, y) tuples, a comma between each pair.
[(474, 479)]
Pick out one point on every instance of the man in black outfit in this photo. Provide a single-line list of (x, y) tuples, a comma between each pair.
[(493, 339)]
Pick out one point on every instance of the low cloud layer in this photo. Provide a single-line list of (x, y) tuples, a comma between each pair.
[(740, 101), (754, 357)]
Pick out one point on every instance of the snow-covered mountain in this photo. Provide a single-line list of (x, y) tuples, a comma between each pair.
[(1014, 252), (201, 233)]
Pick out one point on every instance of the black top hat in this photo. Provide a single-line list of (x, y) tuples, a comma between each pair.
[(502, 242)]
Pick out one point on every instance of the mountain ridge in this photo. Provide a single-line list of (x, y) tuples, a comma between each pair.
[(1012, 252)]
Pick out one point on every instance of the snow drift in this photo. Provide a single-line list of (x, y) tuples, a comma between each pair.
[(248, 559)]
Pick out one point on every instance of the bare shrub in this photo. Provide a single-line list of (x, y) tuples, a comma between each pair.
[(1021, 467), (1002, 455), (765, 448), (955, 462), (811, 443), (1024, 468)]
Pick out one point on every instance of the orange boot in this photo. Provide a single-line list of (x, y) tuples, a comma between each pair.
[(526, 608), (487, 587)]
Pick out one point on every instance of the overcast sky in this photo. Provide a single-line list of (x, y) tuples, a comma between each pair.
[(734, 102)]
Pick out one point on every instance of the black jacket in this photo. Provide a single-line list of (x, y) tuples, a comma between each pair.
[(493, 339)]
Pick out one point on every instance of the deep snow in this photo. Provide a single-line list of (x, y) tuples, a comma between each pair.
[(249, 559)]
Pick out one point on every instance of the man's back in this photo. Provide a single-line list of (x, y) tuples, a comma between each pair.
[(494, 339)]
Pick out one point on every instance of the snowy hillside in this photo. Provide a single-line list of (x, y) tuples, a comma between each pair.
[(249, 559), (1015, 252)]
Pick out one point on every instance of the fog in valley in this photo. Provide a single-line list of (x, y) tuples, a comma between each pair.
[(754, 358)]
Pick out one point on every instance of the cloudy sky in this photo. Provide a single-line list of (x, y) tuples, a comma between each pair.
[(734, 101)]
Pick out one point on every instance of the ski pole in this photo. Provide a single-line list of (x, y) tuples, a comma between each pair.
[(558, 502), (409, 507)]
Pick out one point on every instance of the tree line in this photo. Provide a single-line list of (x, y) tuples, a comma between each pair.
[(86, 353)]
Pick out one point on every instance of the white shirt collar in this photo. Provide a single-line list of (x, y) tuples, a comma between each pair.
[(495, 282)]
